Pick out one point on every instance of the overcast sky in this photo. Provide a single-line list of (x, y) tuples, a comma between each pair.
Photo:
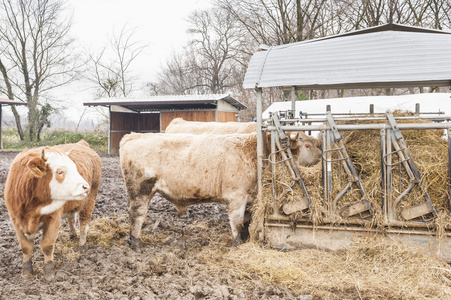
[(161, 25)]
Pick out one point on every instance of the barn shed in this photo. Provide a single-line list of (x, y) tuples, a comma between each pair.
[(4, 102), (154, 114)]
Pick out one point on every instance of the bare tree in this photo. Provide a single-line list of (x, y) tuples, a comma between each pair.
[(217, 44), (110, 68), (36, 57), (179, 75), (276, 22), (213, 61)]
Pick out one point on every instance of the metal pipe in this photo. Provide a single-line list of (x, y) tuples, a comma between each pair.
[(360, 229), (384, 177), (259, 142), (329, 173), (272, 159), (390, 208), (319, 120), (449, 167), (338, 197), (343, 222), (401, 126), (323, 169)]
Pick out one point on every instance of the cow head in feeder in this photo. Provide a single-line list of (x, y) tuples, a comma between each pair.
[(305, 149)]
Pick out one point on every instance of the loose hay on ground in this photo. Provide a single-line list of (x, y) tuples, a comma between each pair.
[(371, 269)]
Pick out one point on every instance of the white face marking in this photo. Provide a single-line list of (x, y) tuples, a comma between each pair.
[(66, 183)]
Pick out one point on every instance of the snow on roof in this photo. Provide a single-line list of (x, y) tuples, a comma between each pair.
[(429, 102)]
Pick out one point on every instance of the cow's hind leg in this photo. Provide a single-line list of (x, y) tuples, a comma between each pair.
[(84, 218), (137, 210), (71, 222), (49, 235), (236, 218)]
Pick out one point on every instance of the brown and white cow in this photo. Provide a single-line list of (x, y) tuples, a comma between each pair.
[(305, 149), (46, 184), (189, 169)]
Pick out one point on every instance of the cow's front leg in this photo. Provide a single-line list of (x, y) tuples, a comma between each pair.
[(137, 211), (236, 218), (27, 244), (49, 234)]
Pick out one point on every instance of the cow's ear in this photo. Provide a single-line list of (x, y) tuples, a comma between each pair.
[(294, 140), (37, 166)]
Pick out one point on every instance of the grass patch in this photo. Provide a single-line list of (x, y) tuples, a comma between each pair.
[(97, 140)]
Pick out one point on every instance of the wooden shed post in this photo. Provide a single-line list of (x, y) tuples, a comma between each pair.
[(1, 129), (259, 142), (109, 130)]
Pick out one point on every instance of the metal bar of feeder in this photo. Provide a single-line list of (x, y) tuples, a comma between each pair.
[(431, 118), (327, 221), (449, 167), (384, 177), (390, 208), (323, 170), (329, 173), (401, 126)]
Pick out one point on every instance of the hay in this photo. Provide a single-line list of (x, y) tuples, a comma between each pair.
[(427, 148), (104, 232), (371, 269)]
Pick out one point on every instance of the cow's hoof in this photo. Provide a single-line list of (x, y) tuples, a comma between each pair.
[(49, 272), (82, 248), (135, 243), (73, 236), (27, 268), (236, 242)]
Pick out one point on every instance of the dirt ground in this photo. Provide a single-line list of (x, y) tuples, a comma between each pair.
[(169, 267)]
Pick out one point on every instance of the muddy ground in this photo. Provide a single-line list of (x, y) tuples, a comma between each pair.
[(171, 265)]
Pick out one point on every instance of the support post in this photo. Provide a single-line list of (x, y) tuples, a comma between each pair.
[(449, 166), (259, 142), (1, 129), (109, 131), (293, 100)]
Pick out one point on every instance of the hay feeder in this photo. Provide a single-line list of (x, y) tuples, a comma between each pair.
[(373, 181)]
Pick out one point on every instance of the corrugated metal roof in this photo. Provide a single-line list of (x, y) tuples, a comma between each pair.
[(384, 56), (169, 102), (11, 102)]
